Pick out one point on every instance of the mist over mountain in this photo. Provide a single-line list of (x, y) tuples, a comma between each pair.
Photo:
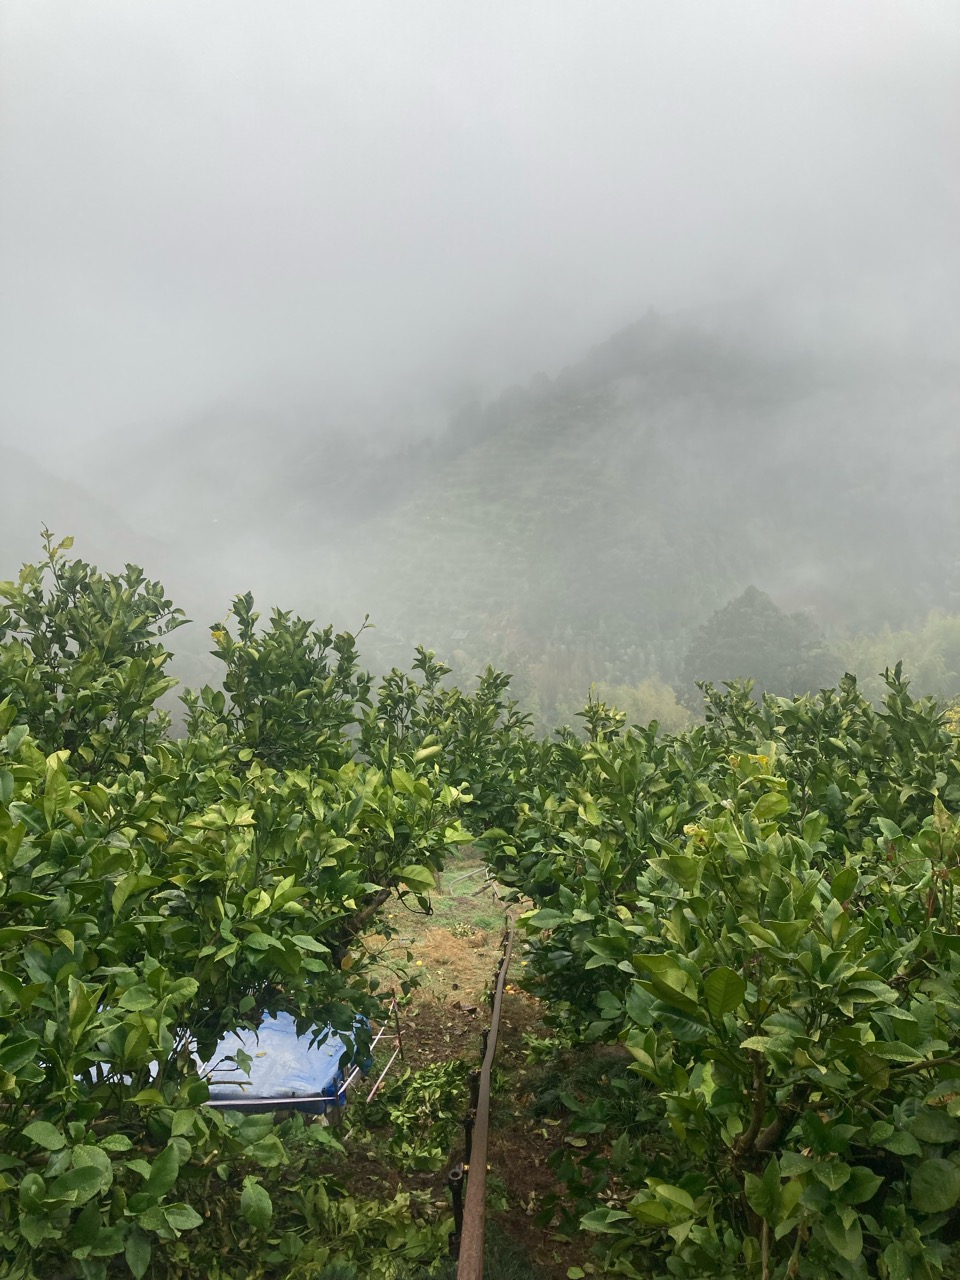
[(540, 334), (579, 528), (35, 494), (613, 508)]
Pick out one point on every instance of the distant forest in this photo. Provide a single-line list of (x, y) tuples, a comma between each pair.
[(692, 500)]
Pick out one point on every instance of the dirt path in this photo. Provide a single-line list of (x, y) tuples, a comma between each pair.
[(454, 954)]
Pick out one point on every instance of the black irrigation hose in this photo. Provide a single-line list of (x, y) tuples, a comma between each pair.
[(470, 1266), (455, 1180)]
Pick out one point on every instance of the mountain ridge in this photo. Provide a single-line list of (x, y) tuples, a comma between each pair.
[(604, 513)]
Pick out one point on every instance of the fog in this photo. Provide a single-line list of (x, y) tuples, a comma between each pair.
[(232, 200), (247, 248)]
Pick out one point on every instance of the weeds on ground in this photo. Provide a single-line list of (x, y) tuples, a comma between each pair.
[(503, 1259)]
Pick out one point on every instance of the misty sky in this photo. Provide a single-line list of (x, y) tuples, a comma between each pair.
[(225, 202)]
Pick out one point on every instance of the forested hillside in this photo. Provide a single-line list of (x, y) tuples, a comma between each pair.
[(583, 527), (619, 505)]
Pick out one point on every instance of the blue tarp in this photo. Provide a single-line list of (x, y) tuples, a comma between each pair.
[(286, 1070)]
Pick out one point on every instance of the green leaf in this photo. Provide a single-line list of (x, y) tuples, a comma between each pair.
[(16, 933), (181, 1217), (545, 918), (861, 1186), (183, 1123), (759, 1197), (670, 981), (82, 1004), (131, 884), (33, 1192), (163, 1172), (934, 1126), (15, 737), (897, 1262), (771, 806), (45, 1135), (683, 868), (303, 942), (758, 1044), (255, 1204), (138, 998), (902, 1144), (638, 1003), (137, 1252), (846, 1239), (844, 883), (149, 1098), (832, 1173), (418, 877), (90, 1156), (790, 1194), (57, 791), (259, 941), (935, 1186), (36, 1228), (652, 1212), (604, 1220), (590, 813), (268, 1151), (675, 1195), (116, 1142), (77, 1185), (880, 1131), (86, 1227), (724, 990), (895, 1052)]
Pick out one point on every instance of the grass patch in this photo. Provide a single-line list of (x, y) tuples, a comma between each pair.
[(452, 952)]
